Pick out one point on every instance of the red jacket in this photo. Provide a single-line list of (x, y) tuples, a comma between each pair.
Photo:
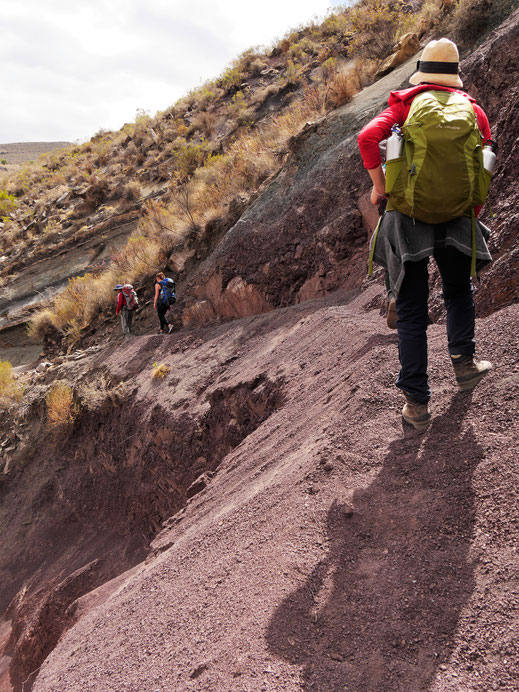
[(120, 302), (399, 102)]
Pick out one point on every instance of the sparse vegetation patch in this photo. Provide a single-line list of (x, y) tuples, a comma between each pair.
[(61, 408)]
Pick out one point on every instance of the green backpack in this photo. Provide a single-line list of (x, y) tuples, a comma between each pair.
[(440, 175)]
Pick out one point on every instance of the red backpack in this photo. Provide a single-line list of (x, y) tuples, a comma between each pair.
[(130, 297)]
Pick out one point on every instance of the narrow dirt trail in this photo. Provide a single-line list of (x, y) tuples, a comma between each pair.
[(335, 548)]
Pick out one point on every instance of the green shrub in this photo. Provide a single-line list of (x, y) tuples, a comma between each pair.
[(8, 203), (231, 78), (189, 156)]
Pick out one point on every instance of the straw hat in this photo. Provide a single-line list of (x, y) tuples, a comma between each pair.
[(438, 64)]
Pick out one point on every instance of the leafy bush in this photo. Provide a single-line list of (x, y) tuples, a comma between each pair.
[(231, 78), (189, 156), (7, 203), (293, 73)]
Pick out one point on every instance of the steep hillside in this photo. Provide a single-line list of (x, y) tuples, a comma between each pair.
[(161, 192), (237, 506), (332, 547)]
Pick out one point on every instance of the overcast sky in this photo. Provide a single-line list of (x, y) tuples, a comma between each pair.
[(71, 68)]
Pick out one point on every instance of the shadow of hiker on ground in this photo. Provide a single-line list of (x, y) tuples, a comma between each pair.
[(380, 612)]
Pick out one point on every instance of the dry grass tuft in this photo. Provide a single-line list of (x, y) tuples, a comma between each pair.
[(10, 389), (41, 325), (100, 391), (160, 371), (61, 408)]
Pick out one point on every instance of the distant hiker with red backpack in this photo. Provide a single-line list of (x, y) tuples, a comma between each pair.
[(163, 299), (435, 182), (127, 302)]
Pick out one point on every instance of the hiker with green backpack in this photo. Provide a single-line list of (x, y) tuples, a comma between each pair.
[(435, 183)]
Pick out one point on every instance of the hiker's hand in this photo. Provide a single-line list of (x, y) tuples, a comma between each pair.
[(379, 181), (375, 198)]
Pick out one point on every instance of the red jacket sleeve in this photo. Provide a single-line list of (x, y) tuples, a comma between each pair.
[(119, 303), (377, 130), (483, 124)]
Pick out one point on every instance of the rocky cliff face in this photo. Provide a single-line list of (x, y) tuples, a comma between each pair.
[(300, 538), (491, 74)]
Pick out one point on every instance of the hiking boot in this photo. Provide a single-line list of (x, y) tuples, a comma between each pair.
[(469, 371), (415, 413), (391, 316)]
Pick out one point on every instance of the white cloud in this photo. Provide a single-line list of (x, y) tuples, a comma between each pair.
[(70, 69)]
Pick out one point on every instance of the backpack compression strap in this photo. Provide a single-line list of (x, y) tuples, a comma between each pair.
[(372, 249)]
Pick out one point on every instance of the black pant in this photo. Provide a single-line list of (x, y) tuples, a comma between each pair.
[(413, 317), (161, 312)]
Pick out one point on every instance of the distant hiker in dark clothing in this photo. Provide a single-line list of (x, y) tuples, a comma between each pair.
[(126, 303), (164, 298), (435, 187)]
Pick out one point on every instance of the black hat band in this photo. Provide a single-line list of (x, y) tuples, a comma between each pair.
[(430, 67)]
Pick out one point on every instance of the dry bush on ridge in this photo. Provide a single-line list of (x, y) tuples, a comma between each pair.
[(257, 66), (132, 191), (61, 408), (374, 23), (10, 389), (162, 226), (41, 324), (100, 390), (202, 122)]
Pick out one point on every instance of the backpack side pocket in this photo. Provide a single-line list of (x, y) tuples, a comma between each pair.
[(393, 171), (484, 180)]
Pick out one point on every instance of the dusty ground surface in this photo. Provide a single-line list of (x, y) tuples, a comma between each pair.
[(335, 548)]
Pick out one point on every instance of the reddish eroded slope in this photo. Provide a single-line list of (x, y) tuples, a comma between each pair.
[(335, 548)]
